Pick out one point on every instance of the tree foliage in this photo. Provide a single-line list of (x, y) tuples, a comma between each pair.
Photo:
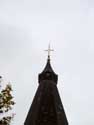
[(6, 104)]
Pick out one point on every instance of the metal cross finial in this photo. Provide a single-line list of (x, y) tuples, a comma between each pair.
[(49, 51)]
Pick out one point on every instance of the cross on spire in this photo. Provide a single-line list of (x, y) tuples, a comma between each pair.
[(49, 51)]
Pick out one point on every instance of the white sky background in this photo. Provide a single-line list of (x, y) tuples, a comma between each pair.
[(26, 27)]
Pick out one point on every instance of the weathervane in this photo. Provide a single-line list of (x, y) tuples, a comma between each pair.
[(49, 51)]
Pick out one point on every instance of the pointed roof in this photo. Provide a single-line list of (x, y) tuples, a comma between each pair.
[(48, 73), (47, 108), (48, 67)]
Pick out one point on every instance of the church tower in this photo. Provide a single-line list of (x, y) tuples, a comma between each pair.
[(47, 108)]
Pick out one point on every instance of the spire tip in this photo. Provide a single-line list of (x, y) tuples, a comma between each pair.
[(49, 51)]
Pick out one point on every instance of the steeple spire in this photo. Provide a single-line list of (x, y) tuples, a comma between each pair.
[(48, 73), (47, 108), (49, 51)]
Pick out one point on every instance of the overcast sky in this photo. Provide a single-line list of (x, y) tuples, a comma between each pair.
[(26, 27)]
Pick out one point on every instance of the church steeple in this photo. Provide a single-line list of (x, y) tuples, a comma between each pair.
[(47, 108), (48, 73)]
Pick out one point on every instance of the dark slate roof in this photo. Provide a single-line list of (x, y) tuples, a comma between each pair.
[(48, 73), (47, 108), (48, 67)]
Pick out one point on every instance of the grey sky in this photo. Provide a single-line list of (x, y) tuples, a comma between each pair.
[(26, 26)]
